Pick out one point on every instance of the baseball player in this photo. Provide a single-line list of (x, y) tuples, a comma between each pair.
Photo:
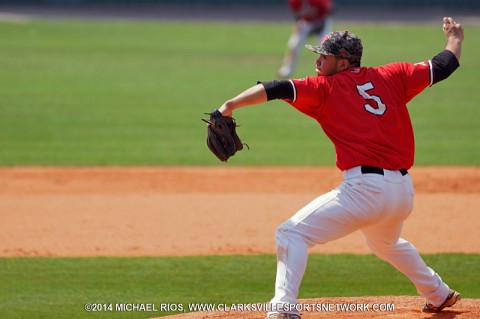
[(312, 17), (363, 111)]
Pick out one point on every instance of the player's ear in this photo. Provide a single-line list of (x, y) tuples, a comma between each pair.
[(343, 64), (347, 64)]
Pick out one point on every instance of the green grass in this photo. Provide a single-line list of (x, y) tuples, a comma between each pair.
[(60, 287), (133, 93)]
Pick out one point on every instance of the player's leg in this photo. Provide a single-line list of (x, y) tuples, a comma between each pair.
[(384, 240), (324, 28), (327, 218), (405, 258), (296, 41)]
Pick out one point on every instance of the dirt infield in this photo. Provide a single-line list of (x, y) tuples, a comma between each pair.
[(170, 211), (158, 211)]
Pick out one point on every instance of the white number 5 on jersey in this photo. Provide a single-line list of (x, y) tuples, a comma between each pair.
[(362, 90)]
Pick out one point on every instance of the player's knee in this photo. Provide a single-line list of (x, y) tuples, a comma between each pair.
[(378, 249), (294, 42), (282, 240), (287, 234), (281, 235), (383, 249)]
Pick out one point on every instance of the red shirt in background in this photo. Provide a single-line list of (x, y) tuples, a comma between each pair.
[(311, 10)]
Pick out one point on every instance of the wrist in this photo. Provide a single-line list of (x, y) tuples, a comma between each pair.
[(226, 109)]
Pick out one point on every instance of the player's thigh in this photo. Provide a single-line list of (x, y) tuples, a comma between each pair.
[(326, 218)]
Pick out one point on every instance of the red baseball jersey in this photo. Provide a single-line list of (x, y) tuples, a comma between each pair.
[(364, 112)]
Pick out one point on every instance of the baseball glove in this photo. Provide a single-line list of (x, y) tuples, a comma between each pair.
[(222, 138)]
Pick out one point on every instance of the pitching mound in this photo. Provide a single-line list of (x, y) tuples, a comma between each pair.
[(405, 307)]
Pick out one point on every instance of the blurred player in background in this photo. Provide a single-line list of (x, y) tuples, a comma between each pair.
[(312, 18)]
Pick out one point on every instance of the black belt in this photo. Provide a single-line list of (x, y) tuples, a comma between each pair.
[(378, 170)]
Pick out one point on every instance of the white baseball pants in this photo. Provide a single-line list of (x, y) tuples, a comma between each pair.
[(373, 203)]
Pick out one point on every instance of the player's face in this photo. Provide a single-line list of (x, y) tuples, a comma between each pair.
[(327, 65)]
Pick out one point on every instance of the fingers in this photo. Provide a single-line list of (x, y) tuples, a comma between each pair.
[(449, 23), (452, 28)]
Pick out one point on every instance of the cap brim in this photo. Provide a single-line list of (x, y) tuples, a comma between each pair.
[(316, 49)]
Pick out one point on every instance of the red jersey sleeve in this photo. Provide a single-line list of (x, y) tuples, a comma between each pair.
[(415, 77), (310, 94)]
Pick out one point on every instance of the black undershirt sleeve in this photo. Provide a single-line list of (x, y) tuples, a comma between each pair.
[(444, 64), (278, 90)]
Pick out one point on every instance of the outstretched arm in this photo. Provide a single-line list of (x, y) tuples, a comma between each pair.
[(260, 93), (254, 95), (454, 34), (447, 61)]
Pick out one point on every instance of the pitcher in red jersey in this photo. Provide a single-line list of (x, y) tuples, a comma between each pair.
[(363, 110)]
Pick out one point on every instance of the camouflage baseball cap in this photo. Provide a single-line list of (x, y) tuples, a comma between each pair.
[(342, 44)]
